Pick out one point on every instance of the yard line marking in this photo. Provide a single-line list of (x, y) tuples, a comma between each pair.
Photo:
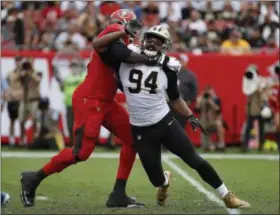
[(236, 156), (42, 198), (211, 196), (51, 154), (111, 155)]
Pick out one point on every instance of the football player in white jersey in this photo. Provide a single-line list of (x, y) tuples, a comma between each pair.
[(152, 124)]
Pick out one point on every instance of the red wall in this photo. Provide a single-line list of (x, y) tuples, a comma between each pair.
[(225, 73)]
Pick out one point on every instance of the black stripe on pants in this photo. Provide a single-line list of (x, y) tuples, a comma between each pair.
[(147, 143)]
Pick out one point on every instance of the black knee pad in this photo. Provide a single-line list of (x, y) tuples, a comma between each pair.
[(78, 135)]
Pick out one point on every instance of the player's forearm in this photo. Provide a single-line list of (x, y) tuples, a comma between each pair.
[(136, 58), (100, 44), (180, 106)]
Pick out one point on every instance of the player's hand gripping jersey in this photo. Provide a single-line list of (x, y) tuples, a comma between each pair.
[(145, 88)]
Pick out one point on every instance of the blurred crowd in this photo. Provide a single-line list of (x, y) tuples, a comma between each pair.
[(20, 94), (233, 27)]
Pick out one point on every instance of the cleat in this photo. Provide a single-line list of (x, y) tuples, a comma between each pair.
[(162, 192), (231, 201), (5, 198), (29, 184), (122, 201)]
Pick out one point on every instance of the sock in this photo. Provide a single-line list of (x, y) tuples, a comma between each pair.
[(120, 186), (166, 182), (222, 190), (40, 174), (127, 157)]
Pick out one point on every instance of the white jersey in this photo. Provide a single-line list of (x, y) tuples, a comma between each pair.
[(145, 89)]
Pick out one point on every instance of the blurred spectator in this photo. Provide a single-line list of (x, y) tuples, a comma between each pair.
[(70, 15), (51, 13), (254, 89), (67, 6), (32, 10), (70, 37), (76, 76), (48, 135), (135, 7), (30, 82), (235, 45), (270, 47), (91, 23), (150, 15), (216, 6), (188, 83), (31, 34), (199, 26), (106, 8), (5, 7), (188, 87), (268, 28), (15, 96), (178, 46), (195, 24), (273, 97), (248, 16), (12, 31), (255, 38), (209, 106), (269, 10), (47, 38), (170, 11), (4, 92)]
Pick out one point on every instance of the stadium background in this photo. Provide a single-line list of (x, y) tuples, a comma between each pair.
[(201, 38), (84, 188)]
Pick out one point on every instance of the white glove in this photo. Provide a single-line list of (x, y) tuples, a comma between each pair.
[(173, 64)]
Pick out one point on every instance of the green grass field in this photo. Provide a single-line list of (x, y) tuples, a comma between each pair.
[(83, 188)]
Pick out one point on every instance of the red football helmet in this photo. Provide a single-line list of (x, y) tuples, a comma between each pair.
[(122, 16)]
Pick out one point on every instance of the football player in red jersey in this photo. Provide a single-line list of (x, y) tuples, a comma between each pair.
[(94, 105)]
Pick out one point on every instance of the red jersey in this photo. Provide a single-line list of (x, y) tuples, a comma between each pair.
[(274, 101), (100, 82)]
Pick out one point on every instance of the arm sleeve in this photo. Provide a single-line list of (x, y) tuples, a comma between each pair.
[(172, 86), (116, 53)]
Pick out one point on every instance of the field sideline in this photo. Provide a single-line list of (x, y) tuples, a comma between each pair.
[(246, 174)]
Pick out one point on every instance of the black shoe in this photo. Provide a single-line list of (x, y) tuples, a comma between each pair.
[(122, 201), (220, 149), (29, 184)]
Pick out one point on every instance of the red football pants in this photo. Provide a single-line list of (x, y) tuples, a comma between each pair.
[(89, 115)]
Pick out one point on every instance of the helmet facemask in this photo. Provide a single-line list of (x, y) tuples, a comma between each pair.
[(153, 45), (158, 33)]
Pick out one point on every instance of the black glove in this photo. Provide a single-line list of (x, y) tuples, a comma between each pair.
[(196, 124), (132, 27)]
